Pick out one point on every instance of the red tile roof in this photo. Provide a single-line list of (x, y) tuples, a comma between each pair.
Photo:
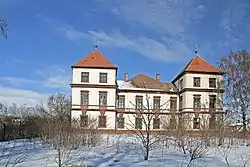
[(94, 59), (198, 64), (144, 81)]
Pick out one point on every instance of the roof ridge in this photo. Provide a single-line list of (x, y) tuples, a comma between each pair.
[(94, 59)]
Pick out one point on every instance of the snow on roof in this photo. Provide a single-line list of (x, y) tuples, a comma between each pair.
[(123, 85)]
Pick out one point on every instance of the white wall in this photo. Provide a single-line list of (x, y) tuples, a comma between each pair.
[(130, 106), (94, 76), (188, 99), (75, 114), (94, 96), (204, 80)]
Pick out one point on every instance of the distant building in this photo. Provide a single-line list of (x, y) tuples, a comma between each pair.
[(192, 98)]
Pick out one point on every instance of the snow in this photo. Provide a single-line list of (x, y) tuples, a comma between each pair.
[(122, 85), (118, 151)]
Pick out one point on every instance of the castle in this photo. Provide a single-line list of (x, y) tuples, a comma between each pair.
[(193, 98)]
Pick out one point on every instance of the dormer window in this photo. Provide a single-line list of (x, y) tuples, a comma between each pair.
[(85, 77), (212, 82), (197, 81), (103, 77)]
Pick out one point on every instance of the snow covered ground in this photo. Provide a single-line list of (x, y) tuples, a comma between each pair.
[(114, 151)]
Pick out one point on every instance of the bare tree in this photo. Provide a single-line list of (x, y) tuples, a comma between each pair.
[(143, 128), (8, 157), (237, 84), (3, 27)]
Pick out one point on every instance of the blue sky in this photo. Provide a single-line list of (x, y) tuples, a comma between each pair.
[(140, 36)]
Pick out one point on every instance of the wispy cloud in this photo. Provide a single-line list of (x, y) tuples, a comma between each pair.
[(235, 21), (52, 77), (20, 96), (72, 34), (167, 16), (148, 47), (55, 77)]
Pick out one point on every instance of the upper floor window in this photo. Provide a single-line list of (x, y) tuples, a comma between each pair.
[(197, 81), (102, 98), (103, 77), (121, 101), (84, 98), (139, 102), (197, 101), (173, 104), (157, 102), (180, 102), (212, 82), (212, 101), (181, 84), (84, 76)]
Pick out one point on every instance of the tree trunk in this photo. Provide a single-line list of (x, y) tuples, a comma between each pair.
[(244, 123)]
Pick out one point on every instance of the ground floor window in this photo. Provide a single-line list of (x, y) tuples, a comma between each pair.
[(84, 120), (196, 123), (102, 122), (138, 123), (120, 122), (156, 123), (172, 123), (212, 122)]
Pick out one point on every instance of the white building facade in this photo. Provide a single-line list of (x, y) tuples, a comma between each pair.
[(192, 99)]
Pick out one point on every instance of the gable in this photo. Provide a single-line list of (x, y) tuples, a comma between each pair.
[(94, 59)]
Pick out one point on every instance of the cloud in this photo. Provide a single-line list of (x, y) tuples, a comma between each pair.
[(55, 77), (70, 33), (52, 77), (167, 16), (148, 47), (17, 81), (10, 95), (235, 22)]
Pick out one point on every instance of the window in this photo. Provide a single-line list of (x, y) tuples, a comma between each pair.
[(157, 102), (102, 122), (212, 101), (84, 121), (197, 81), (139, 102), (172, 123), (196, 123), (173, 104), (121, 101), (103, 78), (85, 77), (180, 102), (212, 82), (197, 101), (120, 122), (138, 123), (156, 123), (181, 84), (102, 98), (84, 98), (212, 122)]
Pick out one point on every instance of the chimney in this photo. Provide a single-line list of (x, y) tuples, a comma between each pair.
[(158, 77), (126, 77)]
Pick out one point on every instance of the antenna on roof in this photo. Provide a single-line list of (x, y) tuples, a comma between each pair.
[(96, 44), (196, 50)]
